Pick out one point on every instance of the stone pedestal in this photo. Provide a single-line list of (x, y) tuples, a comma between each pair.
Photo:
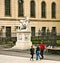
[(23, 40)]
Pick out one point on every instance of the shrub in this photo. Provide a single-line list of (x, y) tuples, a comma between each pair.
[(58, 42), (14, 41)]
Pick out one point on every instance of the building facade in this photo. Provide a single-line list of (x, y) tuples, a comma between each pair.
[(43, 14)]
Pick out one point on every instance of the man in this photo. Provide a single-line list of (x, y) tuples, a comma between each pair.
[(32, 52), (42, 47)]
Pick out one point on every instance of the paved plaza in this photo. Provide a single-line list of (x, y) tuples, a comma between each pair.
[(16, 56), (14, 59)]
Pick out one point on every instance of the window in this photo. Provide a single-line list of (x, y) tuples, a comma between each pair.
[(43, 9), (32, 8), (32, 31), (53, 10), (43, 30), (53, 31), (20, 8), (7, 8), (8, 31)]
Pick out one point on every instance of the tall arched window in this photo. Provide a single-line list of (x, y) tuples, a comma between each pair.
[(7, 8), (53, 10), (43, 9), (20, 8), (32, 8)]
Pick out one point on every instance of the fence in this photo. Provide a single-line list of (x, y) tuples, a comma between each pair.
[(47, 39)]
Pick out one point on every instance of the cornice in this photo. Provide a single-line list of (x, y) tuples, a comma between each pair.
[(33, 20)]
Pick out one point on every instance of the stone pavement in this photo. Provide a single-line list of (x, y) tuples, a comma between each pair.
[(15, 59)]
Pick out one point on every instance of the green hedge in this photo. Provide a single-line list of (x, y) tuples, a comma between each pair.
[(36, 40), (58, 42)]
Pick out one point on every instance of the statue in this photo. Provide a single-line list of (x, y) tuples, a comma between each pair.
[(24, 23), (23, 35)]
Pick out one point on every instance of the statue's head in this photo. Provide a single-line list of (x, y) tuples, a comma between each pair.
[(26, 18)]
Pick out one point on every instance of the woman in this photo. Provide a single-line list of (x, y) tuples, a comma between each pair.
[(37, 53)]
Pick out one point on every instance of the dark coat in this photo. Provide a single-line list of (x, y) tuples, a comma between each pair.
[(32, 51), (37, 49)]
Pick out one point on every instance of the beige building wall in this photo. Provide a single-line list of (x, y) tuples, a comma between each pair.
[(37, 22)]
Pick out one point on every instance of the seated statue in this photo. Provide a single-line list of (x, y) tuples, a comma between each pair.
[(24, 24)]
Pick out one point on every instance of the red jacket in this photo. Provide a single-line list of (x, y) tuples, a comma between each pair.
[(42, 47)]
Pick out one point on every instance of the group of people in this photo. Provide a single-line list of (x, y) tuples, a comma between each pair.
[(39, 51)]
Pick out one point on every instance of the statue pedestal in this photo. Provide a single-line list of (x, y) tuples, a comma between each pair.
[(23, 40)]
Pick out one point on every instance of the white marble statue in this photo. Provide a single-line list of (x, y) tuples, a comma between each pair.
[(23, 35), (24, 24)]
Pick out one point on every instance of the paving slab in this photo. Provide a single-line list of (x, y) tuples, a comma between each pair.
[(15, 59)]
